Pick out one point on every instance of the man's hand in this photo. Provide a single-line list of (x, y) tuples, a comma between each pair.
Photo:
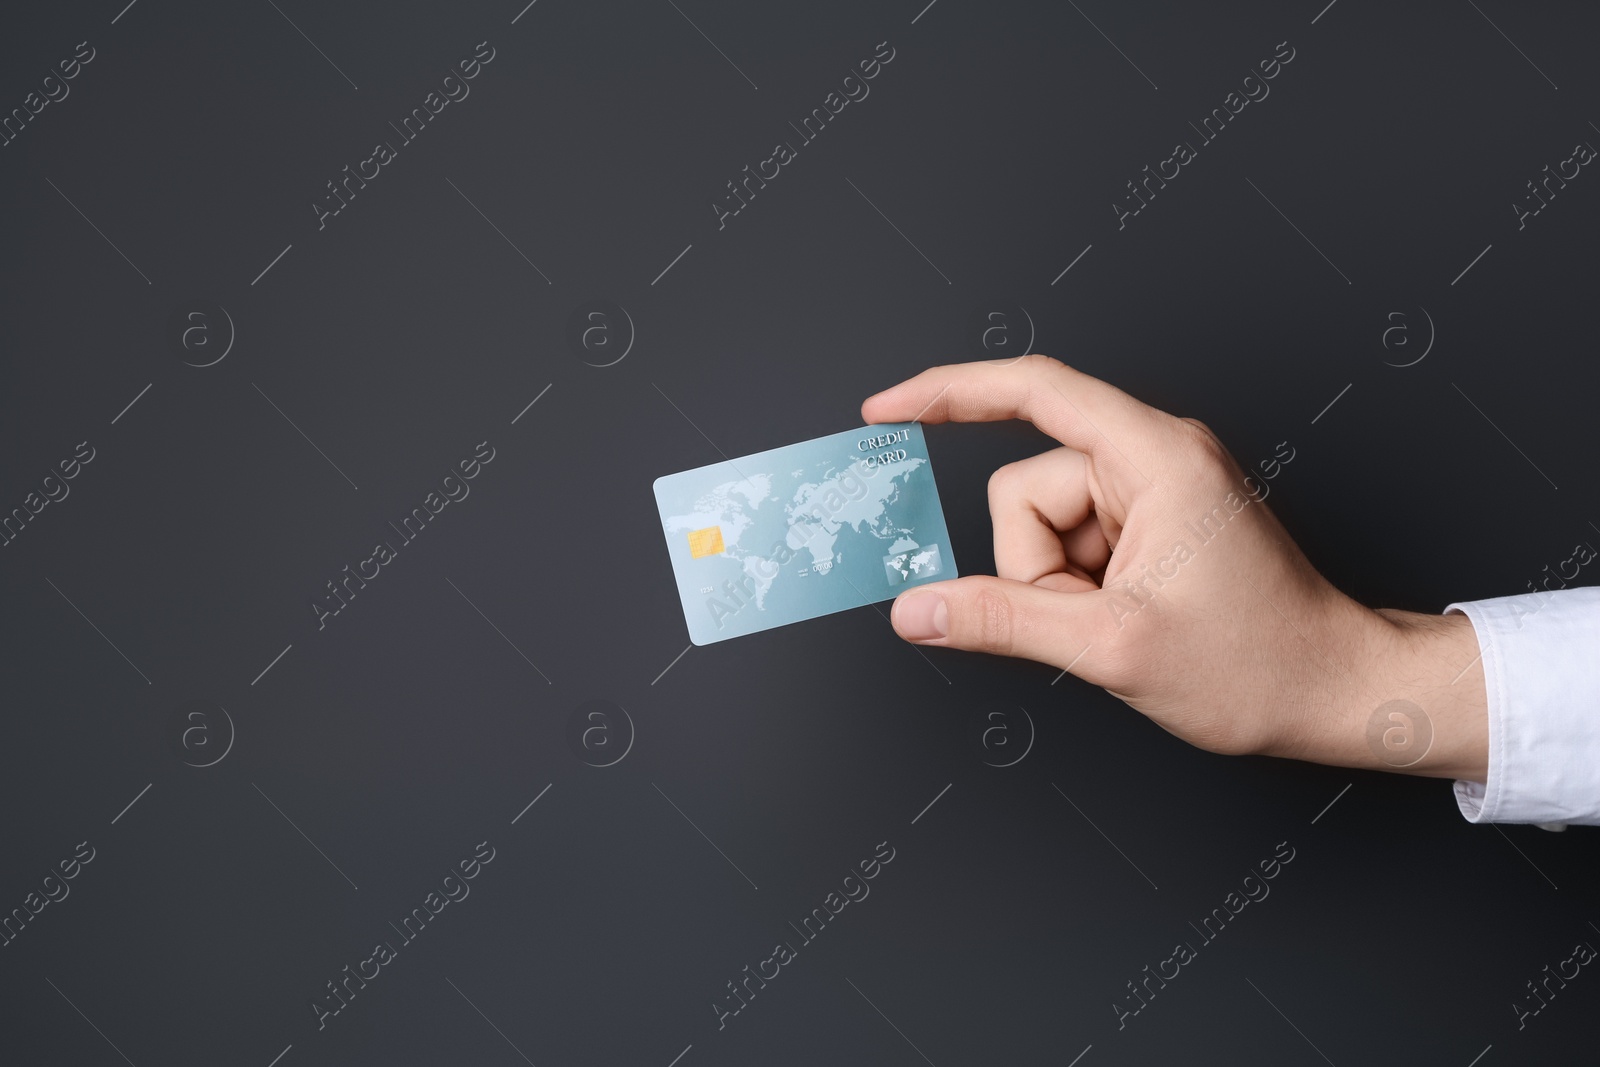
[(1139, 557)]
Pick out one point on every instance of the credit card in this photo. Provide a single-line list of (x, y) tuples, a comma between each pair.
[(805, 530)]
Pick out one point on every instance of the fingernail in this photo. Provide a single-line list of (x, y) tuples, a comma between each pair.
[(921, 617)]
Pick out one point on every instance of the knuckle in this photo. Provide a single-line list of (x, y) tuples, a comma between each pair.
[(1039, 361), (993, 621), (1122, 636), (1002, 481), (1119, 660), (1205, 446)]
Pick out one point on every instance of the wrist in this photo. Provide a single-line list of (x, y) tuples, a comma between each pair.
[(1405, 693), (1437, 666)]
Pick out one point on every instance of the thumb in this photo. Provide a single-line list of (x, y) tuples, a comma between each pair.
[(1003, 617)]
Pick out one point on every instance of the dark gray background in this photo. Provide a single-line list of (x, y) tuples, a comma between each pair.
[(409, 330)]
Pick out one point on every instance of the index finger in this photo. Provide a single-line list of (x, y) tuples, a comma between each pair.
[(1077, 409)]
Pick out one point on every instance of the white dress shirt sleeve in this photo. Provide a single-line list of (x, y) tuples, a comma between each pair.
[(1541, 666)]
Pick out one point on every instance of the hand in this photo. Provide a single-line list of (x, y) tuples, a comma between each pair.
[(1139, 557)]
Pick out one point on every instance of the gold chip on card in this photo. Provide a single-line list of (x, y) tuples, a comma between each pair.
[(706, 542)]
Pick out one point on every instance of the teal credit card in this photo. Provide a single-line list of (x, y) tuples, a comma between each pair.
[(805, 530)]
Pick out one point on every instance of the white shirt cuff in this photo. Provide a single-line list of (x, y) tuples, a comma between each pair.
[(1542, 673)]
